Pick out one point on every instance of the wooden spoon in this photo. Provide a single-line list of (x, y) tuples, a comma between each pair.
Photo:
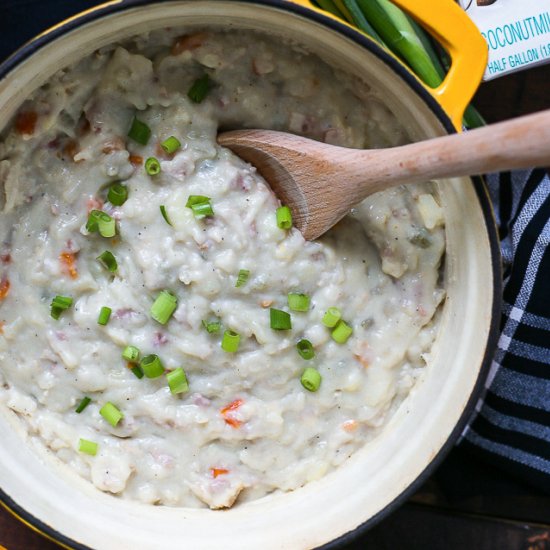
[(321, 183)]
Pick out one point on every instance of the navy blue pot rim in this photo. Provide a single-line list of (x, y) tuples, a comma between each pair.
[(41, 527), (414, 84)]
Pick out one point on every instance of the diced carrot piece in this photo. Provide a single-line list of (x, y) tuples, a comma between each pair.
[(233, 422), (232, 406), (350, 426), (2, 323), (68, 261), (136, 160), (266, 303), (4, 287), (25, 122), (188, 42), (218, 472)]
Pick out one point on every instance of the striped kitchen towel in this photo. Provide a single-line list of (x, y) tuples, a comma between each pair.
[(512, 426)]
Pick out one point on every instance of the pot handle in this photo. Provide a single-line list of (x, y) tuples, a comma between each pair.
[(447, 22)]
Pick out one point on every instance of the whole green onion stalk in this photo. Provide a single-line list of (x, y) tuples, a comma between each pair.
[(395, 30)]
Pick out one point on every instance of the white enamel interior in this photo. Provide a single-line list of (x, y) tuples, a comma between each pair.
[(375, 476)]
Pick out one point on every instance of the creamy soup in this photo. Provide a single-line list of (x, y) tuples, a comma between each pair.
[(164, 332)]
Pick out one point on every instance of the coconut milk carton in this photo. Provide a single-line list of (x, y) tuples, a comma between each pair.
[(517, 32)]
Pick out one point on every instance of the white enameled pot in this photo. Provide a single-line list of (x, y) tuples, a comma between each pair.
[(55, 501)]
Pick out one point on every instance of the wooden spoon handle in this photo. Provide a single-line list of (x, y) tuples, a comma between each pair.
[(520, 143)]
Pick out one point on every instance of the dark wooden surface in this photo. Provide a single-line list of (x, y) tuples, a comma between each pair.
[(466, 504)]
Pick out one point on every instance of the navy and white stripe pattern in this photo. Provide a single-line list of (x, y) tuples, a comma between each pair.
[(512, 424)]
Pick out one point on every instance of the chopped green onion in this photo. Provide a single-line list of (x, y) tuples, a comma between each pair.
[(131, 354), (284, 217), (230, 341), (87, 447), (196, 199), (102, 222), (163, 307), (137, 371), (171, 145), (200, 205), (242, 277), (305, 349), (165, 214), (311, 379), (92, 222), (104, 315), (83, 404), (331, 317), (60, 304), (279, 319), (341, 332), (177, 381), (212, 326), (108, 261), (117, 194), (63, 302), (298, 302), (151, 366), (139, 132), (202, 210), (55, 313), (106, 225), (110, 413), (199, 89), (152, 166)]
